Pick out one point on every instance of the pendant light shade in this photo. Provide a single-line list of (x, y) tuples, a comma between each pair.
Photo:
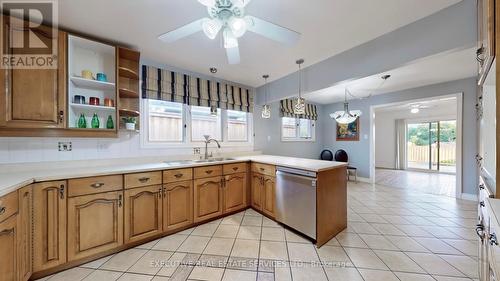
[(346, 116), (266, 109), (299, 105)]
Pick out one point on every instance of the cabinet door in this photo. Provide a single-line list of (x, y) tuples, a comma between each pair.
[(486, 40), (49, 224), (235, 192), (8, 244), (257, 186), (207, 198), (24, 223), (35, 98), (269, 196), (95, 224), (143, 212), (177, 205)]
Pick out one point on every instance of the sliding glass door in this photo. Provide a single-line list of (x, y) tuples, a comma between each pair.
[(432, 146)]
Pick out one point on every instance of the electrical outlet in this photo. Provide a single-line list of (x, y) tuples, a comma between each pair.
[(196, 150), (65, 146)]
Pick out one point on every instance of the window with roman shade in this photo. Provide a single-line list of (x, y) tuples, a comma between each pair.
[(286, 109)]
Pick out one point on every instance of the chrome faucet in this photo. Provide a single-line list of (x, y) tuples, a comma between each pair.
[(207, 141)]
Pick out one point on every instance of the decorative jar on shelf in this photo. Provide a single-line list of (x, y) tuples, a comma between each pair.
[(109, 123), (95, 121), (82, 121)]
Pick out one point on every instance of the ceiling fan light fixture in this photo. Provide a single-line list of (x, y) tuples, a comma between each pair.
[(230, 41), (240, 3), (211, 27), (238, 26), (208, 3)]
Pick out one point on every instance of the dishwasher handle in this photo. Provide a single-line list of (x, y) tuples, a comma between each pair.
[(281, 174)]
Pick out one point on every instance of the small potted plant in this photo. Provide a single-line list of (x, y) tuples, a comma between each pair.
[(129, 123)]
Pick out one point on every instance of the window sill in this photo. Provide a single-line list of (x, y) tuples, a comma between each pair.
[(298, 140)]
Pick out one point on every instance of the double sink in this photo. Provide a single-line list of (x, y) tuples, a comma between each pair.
[(188, 162)]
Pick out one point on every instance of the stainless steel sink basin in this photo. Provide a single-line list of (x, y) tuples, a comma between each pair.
[(187, 162)]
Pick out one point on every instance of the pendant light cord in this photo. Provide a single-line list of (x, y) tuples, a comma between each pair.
[(384, 79)]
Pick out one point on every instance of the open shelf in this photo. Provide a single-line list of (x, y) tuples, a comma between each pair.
[(126, 93), (92, 84), (129, 112), (92, 107), (127, 72)]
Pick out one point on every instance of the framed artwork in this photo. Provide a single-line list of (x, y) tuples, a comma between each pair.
[(348, 132)]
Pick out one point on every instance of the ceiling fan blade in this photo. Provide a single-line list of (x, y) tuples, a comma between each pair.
[(233, 55), (181, 32), (272, 31)]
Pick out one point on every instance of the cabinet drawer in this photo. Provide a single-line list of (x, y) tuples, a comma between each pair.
[(142, 179), (177, 175), (234, 168), (8, 205), (207, 171), (265, 169), (93, 185)]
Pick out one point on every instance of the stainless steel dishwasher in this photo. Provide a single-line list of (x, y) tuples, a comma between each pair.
[(296, 199)]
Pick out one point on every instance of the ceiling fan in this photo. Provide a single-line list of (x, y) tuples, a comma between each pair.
[(229, 17)]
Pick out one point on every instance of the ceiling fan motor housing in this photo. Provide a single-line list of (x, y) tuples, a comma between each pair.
[(224, 10)]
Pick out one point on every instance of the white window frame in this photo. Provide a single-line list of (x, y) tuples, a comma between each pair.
[(187, 143), (297, 138)]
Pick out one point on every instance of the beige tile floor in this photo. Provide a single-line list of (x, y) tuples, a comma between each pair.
[(427, 182), (392, 234)]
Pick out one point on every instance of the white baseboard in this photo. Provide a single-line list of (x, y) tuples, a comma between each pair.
[(361, 179), (468, 196)]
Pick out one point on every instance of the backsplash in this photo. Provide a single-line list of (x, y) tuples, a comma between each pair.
[(128, 145)]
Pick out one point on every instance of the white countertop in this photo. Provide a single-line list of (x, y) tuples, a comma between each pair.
[(13, 180)]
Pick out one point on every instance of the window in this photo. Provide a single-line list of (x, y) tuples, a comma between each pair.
[(164, 121), (296, 129), (237, 126), (203, 123)]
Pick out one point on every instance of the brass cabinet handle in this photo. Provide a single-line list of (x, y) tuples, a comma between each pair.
[(61, 191), (493, 239), (209, 171), (480, 55), (178, 175), (262, 169), (6, 232), (61, 116), (235, 169), (2, 210), (209, 182), (97, 184), (160, 191), (120, 197), (144, 179)]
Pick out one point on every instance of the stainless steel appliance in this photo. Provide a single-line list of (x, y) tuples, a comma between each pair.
[(296, 199)]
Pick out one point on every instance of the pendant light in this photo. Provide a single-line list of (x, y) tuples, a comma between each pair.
[(346, 116), (299, 106), (266, 109), (213, 108)]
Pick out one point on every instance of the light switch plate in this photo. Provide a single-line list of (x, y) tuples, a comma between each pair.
[(65, 146)]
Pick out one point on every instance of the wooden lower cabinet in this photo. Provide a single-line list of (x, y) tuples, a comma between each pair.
[(8, 246), (25, 224), (235, 192), (269, 196), (177, 205), (95, 224), (256, 191), (207, 198), (143, 212), (49, 224)]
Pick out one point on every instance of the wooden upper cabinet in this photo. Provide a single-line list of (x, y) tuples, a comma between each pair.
[(177, 205), (8, 244), (486, 33), (207, 198), (49, 224), (95, 224), (25, 224), (269, 196), (256, 191), (35, 98), (235, 192), (143, 212)]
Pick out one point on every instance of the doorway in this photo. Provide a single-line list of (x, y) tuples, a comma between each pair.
[(431, 146)]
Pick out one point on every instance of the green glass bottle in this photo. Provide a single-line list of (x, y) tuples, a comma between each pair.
[(95, 121), (109, 123), (82, 121)]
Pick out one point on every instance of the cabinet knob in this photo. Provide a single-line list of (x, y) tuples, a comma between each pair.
[(61, 191), (178, 175), (481, 204), (61, 116), (481, 186), (120, 200), (97, 184), (480, 55), (144, 179), (209, 171), (2, 210)]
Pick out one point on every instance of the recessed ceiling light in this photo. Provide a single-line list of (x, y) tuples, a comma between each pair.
[(415, 110)]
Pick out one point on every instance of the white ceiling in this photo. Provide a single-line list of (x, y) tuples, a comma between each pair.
[(435, 69), (328, 27), (439, 104)]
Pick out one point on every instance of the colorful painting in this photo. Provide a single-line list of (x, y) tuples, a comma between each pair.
[(348, 132)]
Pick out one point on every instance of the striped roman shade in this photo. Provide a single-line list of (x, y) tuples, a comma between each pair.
[(166, 85), (286, 107)]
